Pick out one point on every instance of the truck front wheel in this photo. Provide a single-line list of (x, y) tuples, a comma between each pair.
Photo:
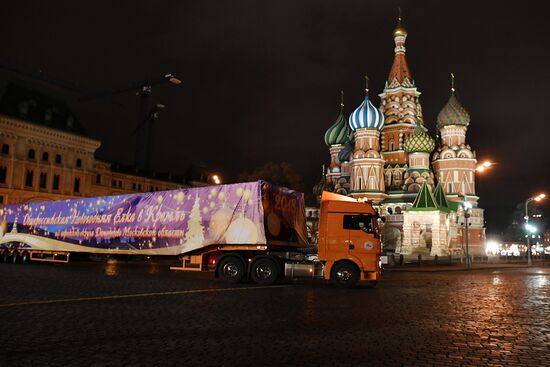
[(264, 271), (231, 270), (345, 274)]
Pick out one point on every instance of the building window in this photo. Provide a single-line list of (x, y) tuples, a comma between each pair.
[(5, 149), (43, 179), (133, 185), (79, 162), (55, 185), (98, 179), (119, 183), (1, 199), (58, 158), (45, 156), (139, 187), (28, 179), (113, 183), (77, 184), (3, 174), (31, 154)]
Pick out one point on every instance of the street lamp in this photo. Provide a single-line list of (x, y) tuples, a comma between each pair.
[(216, 179), (529, 227), (483, 166), (466, 206)]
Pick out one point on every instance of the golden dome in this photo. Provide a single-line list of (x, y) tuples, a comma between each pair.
[(400, 31)]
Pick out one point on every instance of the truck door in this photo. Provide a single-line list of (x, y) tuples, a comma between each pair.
[(337, 238), (361, 242)]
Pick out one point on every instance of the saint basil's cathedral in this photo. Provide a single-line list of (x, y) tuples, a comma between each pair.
[(419, 184)]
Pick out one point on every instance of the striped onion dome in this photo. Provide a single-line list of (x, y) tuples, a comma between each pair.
[(366, 116), (453, 114), (339, 132), (419, 141)]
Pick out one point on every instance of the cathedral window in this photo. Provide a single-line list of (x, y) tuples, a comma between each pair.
[(31, 154), (5, 149), (58, 158), (45, 156), (79, 162)]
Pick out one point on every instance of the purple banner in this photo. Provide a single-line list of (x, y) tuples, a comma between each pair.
[(159, 223)]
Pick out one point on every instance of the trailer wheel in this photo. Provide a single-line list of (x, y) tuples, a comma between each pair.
[(25, 258), (15, 257), (264, 271), (6, 257), (345, 274), (231, 270)]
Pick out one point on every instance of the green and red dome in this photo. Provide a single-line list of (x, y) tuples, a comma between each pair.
[(453, 114)]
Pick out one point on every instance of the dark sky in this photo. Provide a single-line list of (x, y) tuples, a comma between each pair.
[(261, 79)]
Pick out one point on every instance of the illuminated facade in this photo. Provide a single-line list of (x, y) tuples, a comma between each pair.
[(46, 156), (386, 155)]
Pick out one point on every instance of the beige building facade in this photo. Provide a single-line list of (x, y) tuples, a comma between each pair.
[(41, 163)]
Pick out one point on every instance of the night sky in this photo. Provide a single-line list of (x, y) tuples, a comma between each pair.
[(262, 79)]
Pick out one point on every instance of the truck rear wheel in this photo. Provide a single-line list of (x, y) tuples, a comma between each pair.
[(231, 270), (15, 257), (345, 274), (264, 271)]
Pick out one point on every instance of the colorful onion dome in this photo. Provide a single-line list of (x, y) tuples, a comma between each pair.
[(339, 132), (453, 114), (419, 141), (366, 116)]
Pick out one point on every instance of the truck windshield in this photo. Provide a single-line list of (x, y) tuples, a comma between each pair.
[(362, 222)]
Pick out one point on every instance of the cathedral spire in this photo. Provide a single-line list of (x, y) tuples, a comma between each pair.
[(400, 75)]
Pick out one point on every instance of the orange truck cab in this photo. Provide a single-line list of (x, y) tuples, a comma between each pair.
[(349, 240)]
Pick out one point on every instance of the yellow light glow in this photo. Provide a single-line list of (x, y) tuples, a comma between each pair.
[(487, 164)]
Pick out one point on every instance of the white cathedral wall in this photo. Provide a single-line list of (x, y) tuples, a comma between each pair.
[(422, 228)]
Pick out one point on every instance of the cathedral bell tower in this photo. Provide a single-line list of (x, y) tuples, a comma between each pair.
[(454, 162), (402, 112)]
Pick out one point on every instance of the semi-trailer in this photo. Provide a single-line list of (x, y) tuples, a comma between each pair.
[(252, 230)]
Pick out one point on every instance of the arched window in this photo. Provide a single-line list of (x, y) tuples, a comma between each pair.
[(43, 180), (391, 144), (29, 178), (79, 162), (58, 158), (3, 174), (77, 184), (55, 184), (45, 156), (31, 154), (5, 149)]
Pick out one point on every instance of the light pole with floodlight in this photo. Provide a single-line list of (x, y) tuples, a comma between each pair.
[(466, 206), (529, 228)]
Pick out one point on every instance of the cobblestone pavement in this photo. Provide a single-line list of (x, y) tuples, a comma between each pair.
[(136, 314)]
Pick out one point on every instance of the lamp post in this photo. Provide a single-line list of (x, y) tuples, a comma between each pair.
[(528, 227), (466, 206)]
